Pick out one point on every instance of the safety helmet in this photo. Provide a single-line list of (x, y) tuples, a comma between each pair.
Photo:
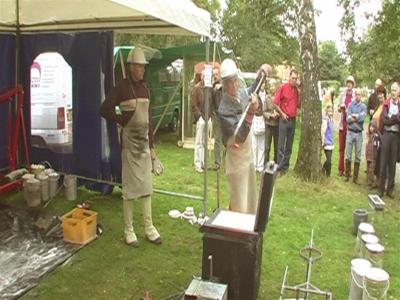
[(351, 79), (228, 68), (136, 56), (378, 82)]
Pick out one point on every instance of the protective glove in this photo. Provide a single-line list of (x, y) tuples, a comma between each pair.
[(158, 168)]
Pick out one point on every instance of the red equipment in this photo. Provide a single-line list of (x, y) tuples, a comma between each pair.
[(14, 126)]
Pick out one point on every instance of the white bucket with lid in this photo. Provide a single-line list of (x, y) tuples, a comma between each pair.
[(53, 183), (37, 169), (363, 228), (70, 187), (367, 239), (44, 186), (33, 193), (359, 267), (374, 253), (376, 284), (48, 171), (27, 176)]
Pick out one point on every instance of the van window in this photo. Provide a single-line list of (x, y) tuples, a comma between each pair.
[(51, 102)]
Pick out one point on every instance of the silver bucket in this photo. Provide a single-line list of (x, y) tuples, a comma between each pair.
[(374, 254), (376, 284), (70, 187), (25, 178), (363, 228), (367, 239), (44, 186), (359, 216), (33, 193), (53, 183), (359, 268)]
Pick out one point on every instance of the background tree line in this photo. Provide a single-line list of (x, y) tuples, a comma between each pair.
[(374, 55)]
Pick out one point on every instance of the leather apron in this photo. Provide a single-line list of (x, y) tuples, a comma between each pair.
[(136, 160), (241, 176)]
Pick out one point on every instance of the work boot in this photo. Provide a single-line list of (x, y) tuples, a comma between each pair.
[(347, 170), (355, 172), (130, 236), (150, 231)]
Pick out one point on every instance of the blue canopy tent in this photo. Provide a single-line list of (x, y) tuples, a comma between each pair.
[(78, 31)]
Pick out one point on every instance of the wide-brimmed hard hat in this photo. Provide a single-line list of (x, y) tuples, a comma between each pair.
[(228, 68), (351, 79), (136, 56)]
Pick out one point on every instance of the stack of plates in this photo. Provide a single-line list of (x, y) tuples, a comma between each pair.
[(174, 213)]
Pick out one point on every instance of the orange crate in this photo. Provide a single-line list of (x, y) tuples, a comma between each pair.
[(79, 226)]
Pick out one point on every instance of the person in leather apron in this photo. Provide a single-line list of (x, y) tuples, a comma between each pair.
[(239, 164), (137, 147)]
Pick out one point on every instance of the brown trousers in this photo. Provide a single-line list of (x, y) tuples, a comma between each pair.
[(371, 178)]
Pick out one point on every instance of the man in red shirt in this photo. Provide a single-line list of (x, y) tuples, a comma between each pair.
[(286, 103)]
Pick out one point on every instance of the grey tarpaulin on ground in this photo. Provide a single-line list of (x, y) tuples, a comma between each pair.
[(26, 252)]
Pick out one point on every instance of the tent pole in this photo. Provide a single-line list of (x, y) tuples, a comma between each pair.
[(206, 113), (17, 46), (17, 79), (183, 98)]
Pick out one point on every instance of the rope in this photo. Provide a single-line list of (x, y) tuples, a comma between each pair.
[(375, 298)]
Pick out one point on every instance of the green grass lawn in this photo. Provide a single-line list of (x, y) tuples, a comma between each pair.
[(107, 269)]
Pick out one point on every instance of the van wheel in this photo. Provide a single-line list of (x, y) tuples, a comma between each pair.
[(173, 126)]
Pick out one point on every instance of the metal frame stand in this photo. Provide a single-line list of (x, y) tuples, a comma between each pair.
[(14, 127), (303, 290)]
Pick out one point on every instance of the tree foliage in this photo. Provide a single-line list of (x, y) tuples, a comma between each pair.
[(377, 55), (255, 30), (348, 25), (332, 66)]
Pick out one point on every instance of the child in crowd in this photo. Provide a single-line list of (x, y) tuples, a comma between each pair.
[(371, 152), (327, 139)]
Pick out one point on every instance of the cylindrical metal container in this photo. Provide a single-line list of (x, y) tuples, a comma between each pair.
[(44, 186), (33, 194), (367, 239), (359, 216), (376, 284), (37, 169), (374, 253), (53, 183), (359, 267), (70, 187), (25, 178), (363, 228), (48, 171)]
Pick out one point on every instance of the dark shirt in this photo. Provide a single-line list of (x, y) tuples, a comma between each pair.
[(230, 111), (124, 90), (373, 102), (197, 101), (386, 120), (216, 97)]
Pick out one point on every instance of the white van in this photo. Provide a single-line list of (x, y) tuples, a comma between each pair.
[(51, 98)]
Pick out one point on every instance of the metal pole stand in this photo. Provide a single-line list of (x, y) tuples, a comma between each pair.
[(303, 290)]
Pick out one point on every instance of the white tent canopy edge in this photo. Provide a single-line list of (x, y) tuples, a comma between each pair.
[(174, 17)]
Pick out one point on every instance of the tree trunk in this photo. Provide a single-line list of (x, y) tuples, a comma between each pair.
[(308, 164)]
